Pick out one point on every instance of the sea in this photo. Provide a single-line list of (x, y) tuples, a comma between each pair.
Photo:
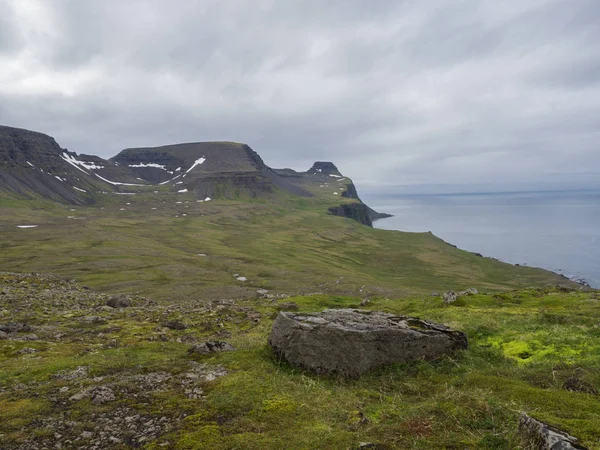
[(558, 230)]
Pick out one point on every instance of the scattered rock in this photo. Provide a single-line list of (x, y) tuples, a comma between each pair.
[(370, 446), (3, 335), (210, 347), (539, 435), (175, 325), (350, 342), (15, 327), (575, 384), (78, 373), (118, 301), (470, 291), (365, 301), (102, 394), (98, 394), (262, 293), (288, 306), (27, 350), (30, 337), (449, 297), (96, 320)]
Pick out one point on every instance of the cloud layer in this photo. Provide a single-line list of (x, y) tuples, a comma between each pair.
[(399, 92)]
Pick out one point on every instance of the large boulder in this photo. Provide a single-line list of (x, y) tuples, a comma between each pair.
[(350, 342), (539, 435)]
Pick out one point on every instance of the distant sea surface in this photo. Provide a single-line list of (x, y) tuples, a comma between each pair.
[(559, 231)]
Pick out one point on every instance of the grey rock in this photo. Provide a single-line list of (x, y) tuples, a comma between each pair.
[(288, 306), (78, 373), (102, 394), (262, 292), (449, 297), (27, 350), (210, 347), (350, 342), (99, 395), (575, 384), (470, 291), (30, 337), (118, 301), (540, 435), (175, 325), (15, 327), (3, 335), (94, 320)]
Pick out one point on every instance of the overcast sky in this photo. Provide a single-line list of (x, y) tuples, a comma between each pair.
[(395, 92)]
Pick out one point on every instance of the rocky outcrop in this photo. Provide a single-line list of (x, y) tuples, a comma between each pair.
[(324, 168), (350, 342), (354, 211), (538, 435)]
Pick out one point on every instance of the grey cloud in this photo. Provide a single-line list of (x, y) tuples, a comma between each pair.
[(473, 90)]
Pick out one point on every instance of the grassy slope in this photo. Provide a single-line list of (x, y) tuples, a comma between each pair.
[(287, 244)]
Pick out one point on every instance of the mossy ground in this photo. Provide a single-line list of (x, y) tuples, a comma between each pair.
[(524, 346)]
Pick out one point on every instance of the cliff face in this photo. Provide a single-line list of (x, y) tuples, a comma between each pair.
[(355, 211)]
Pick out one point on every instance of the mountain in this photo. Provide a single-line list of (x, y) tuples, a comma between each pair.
[(210, 169), (34, 165)]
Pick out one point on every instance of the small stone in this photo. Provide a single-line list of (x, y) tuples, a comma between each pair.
[(537, 434), (15, 327), (449, 297), (210, 347), (102, 394), (175, 325), (27, 350), (86, 435), (575, 384), (262, 292), (470, 291), (118, 301)]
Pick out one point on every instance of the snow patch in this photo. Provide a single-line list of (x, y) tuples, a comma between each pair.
[(156, 166), (79, 164), (178, 169), (125, 193), (168, 181), (179, 182), (30, 164), (334, 176), (182, 191), (26, 226), (241, 278), (58, 178), (153, 209), (196, 163), (335, 193), (202, 254), (207, 199), (78, 189)]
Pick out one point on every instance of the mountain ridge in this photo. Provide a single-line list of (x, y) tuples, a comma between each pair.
[(219, 169)]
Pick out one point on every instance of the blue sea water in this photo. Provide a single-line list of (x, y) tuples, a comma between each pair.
[(559, 231)]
